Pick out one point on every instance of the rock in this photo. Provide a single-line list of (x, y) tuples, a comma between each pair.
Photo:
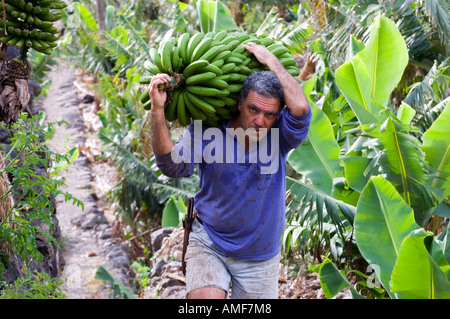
[(106, 233), (158, 235), (175, 292), (178, 255), (159, 268), (170, 282), (92, 219), (87, 98)]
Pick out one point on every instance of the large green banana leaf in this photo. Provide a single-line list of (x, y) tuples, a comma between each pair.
[(436, 145), (368, 79), (318, 156), (333, 280), (214, 16), (417, 274), (403, 163), (382, 222), (308, 196), (173, 211)]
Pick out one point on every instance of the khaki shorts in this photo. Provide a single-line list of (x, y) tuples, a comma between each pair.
[(206, 266)]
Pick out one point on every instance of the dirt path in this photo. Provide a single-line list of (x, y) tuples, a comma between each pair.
[(85, 245)]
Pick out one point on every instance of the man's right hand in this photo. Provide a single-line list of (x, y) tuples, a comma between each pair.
[(158, 97)]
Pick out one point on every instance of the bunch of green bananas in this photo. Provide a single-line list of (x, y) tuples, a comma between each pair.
[(208, 73), (29, 23)]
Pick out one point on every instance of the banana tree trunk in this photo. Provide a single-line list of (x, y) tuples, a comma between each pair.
[(101, 18), (236, 11)]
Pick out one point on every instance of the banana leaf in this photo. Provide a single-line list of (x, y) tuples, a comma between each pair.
[(417, 273), (309, 196), (86, 16), (436, 145), (368, 79), (402, 161), (214, 16), (173, 211), (382, 221), (333, 280), (318, 156)]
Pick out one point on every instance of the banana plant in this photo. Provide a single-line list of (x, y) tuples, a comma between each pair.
[(409, 261), (214, 16)]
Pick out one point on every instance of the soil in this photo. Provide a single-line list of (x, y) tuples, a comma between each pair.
[(83, 250), (71, 99)]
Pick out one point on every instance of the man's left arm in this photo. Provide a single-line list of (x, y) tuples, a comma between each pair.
[(294, 96)]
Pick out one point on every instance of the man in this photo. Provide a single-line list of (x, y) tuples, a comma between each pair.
[(235, 241)]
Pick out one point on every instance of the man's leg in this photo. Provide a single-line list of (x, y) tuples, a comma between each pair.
[(254, 279), (206, 273)]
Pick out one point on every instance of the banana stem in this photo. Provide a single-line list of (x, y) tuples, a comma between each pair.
[(176, 81), (24, 53)]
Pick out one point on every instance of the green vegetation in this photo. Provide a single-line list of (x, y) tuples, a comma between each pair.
[(367, 192)]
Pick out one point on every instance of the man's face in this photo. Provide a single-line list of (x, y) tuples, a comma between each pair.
[(258, 112)]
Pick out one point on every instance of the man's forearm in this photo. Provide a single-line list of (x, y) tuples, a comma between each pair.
[(159, 133), (293, 93)]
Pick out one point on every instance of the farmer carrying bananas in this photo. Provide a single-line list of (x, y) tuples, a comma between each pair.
[(240, 207)]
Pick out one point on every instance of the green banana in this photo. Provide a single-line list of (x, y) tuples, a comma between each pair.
[(288, 62), (228, 67), (294, 71), (218, 63), (183, 117), (200, 103), (194, 66), (215, 102), (222, 55), (232, 59), (224, 113), (196, 113), (228, 39), (239, 49), (266, 41), (212, 52), (145, 79), (201, 77), (192, 44), (219, 36), (156, 58), (171, 111), (147, 105), (200, 49), (152, 68), (203, 91), (235, 87), (145, 96), (182, 45), (211, 68), (217, 83), (242, 37), (165, 50), (175, 59), (224, 77), (223, 92), (229, 102), (238, 55)]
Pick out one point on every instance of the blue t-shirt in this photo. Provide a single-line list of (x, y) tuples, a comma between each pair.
[(242, 194)]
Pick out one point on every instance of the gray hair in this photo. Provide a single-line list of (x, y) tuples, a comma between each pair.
[(265, 83)]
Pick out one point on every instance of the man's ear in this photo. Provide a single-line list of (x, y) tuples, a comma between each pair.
[(239, 104)]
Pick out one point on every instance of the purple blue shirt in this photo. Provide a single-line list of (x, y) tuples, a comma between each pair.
[(242, 194)]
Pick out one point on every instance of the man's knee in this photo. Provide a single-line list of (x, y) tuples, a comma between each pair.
[(207, 293)]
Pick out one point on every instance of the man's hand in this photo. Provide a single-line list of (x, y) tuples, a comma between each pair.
[(261, 53), (159, 133), (157, 96), (293, 93)]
